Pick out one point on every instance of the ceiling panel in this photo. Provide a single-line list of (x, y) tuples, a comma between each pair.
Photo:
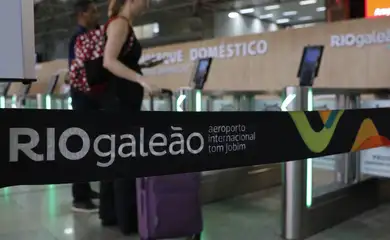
[(54, 18), (288, 12)]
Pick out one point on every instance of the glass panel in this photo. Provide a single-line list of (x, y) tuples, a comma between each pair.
[(68, 103), (28, 102), (58, 103), (328, 172), (323, 168), (159, 104), (2, 101), (268, 105), (375, 162), (10, 102), (162, 105), (221, 105), (146, 105)]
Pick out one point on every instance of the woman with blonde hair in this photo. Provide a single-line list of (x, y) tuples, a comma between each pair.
[(118, 204)]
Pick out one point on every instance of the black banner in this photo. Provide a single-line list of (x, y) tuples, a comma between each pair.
[(60, 146)]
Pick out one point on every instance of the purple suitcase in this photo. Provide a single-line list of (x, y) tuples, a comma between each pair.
[(169, 206)]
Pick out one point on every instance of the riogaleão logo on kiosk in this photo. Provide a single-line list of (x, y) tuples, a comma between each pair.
[(130, 144), (360, 40)]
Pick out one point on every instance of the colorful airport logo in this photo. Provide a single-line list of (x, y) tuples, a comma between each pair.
[(368, 137), (317, 141)]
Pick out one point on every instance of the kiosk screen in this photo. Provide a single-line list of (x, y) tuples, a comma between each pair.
[(310, 64), (201, 73)]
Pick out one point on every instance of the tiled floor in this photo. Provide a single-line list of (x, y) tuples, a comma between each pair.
[(372, 225), (43, 213)]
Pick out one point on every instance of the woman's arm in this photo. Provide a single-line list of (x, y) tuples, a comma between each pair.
[(117, 34)]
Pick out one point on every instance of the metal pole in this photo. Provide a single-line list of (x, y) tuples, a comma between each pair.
[(355, 156), (294, 175), (151, 103), (171, 103), (39, 101), (342, 169), (209, 103)]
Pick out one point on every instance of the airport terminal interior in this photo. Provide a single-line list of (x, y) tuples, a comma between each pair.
[(223, 55)]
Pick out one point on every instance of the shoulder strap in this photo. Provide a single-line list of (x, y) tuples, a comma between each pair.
[(124, 48), (113, 18)]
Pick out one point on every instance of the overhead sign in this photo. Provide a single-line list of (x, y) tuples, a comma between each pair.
[(376, 161), (178, 61), (377, 8), (223, 50), (360, 40)]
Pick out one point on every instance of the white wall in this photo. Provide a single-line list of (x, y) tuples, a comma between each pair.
[(242, 25)]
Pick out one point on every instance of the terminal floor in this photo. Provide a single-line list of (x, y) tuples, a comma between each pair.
[(43, 213)]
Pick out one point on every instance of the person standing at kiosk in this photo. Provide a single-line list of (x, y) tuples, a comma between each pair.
[(87, 19), (125, 91)]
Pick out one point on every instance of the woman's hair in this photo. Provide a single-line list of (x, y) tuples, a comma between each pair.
[(114, 7)]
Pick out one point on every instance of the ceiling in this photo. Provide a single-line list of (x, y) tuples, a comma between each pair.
[(54, 18), (288, 13)]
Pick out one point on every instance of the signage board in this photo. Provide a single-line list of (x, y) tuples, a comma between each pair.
[(376, 161), (377, 8), (360, 40)]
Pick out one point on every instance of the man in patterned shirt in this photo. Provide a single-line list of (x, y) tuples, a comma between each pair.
[(87, 19)]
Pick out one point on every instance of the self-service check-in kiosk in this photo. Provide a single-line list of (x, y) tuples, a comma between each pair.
[(201, 73), (310, 64)]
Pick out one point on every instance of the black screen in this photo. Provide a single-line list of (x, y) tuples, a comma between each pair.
[(201, 73), (310, 64)]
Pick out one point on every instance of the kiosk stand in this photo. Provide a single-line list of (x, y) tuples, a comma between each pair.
[(52, 83), (188, 99), (295, 172), (310, 65)]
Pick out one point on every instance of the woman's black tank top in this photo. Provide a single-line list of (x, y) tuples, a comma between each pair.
[(128, 93)]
